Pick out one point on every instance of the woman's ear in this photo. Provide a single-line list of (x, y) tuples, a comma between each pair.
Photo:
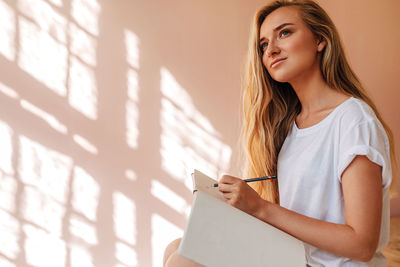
[(321, 44)]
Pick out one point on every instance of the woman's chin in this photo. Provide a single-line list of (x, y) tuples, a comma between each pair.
[(283, 76), (280, 78)]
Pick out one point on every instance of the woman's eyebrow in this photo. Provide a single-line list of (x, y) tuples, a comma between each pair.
[(278, 28)]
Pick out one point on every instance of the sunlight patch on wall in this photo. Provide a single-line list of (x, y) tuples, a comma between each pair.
[(172, 90), (132, 78), (123, 265), (9, 235), (132, 48), (169, 197), (9, 225), (47, 117), (82, 230), (83, 238), (126, 255), (133, 85), (83, 92), (124, 216), (130, 175), (44, 169), (43, 53), (6, 151), (7, 31), (45, 17), (8, 91), (86, 14), (8, 189), (83, 45), (80, 256), (85, 144), (82, 89), (85, 194), (162, 233), (58, 3), (45, 174), (5, 263), (43, 249), (42, 210), (51, 120), (188, 140), (132, 111)]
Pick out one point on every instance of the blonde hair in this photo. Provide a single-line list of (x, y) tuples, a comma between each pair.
[(270, 107)]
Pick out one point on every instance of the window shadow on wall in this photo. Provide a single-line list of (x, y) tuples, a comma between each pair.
[(98, 135)]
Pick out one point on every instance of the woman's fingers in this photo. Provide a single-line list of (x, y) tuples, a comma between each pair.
[(239, 194), (225, 184), (228, 196), (227, 179), (230, 187), (229, 184), (225, 188)]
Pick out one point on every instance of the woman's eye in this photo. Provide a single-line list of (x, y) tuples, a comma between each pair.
[(284, 32), (263, 46)]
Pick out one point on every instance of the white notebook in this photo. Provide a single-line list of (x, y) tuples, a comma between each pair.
[(219, 235)]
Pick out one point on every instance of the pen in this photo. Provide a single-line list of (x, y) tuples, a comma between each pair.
[(256, 179)]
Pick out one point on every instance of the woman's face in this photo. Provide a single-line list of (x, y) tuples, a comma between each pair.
[(289, 47)]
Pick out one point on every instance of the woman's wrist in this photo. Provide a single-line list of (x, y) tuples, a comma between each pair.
[(262, 212)]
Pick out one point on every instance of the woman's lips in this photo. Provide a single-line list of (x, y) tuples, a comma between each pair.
[(276, 62)]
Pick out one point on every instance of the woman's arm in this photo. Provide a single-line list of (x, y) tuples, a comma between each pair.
[(357, 238)]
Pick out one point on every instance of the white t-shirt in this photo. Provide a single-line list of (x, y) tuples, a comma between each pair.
[(310, 165)]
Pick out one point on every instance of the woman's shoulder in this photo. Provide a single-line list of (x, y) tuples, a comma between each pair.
[(356, 111)]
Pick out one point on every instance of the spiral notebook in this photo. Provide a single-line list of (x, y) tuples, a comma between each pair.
[(218, 235)]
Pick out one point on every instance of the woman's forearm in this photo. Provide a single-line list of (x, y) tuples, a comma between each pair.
[(339, 239)]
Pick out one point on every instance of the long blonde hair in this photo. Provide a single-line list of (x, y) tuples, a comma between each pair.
[(270, 107)]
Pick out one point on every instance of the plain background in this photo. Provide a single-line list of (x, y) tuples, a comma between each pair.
[(107, 106)]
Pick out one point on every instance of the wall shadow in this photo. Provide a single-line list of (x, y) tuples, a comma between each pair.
[(107, 107)]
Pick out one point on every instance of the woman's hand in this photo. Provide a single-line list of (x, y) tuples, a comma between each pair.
[(240, 195)]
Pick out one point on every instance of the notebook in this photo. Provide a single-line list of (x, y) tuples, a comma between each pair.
[(218, 235)]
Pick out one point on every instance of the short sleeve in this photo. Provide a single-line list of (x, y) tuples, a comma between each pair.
[(367, 138)]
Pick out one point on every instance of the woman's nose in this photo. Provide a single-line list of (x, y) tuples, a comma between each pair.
[(272, 49)]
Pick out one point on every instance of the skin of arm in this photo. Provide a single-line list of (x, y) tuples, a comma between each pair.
[(356, 239)]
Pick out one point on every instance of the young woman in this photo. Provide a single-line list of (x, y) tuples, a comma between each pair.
[(308, 120)]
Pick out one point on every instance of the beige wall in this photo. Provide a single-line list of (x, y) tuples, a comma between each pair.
[(107, 106)]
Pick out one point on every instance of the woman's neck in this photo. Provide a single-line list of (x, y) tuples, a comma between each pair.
[(314, 93)]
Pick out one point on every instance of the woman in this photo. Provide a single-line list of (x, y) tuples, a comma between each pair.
[(308, 120)]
